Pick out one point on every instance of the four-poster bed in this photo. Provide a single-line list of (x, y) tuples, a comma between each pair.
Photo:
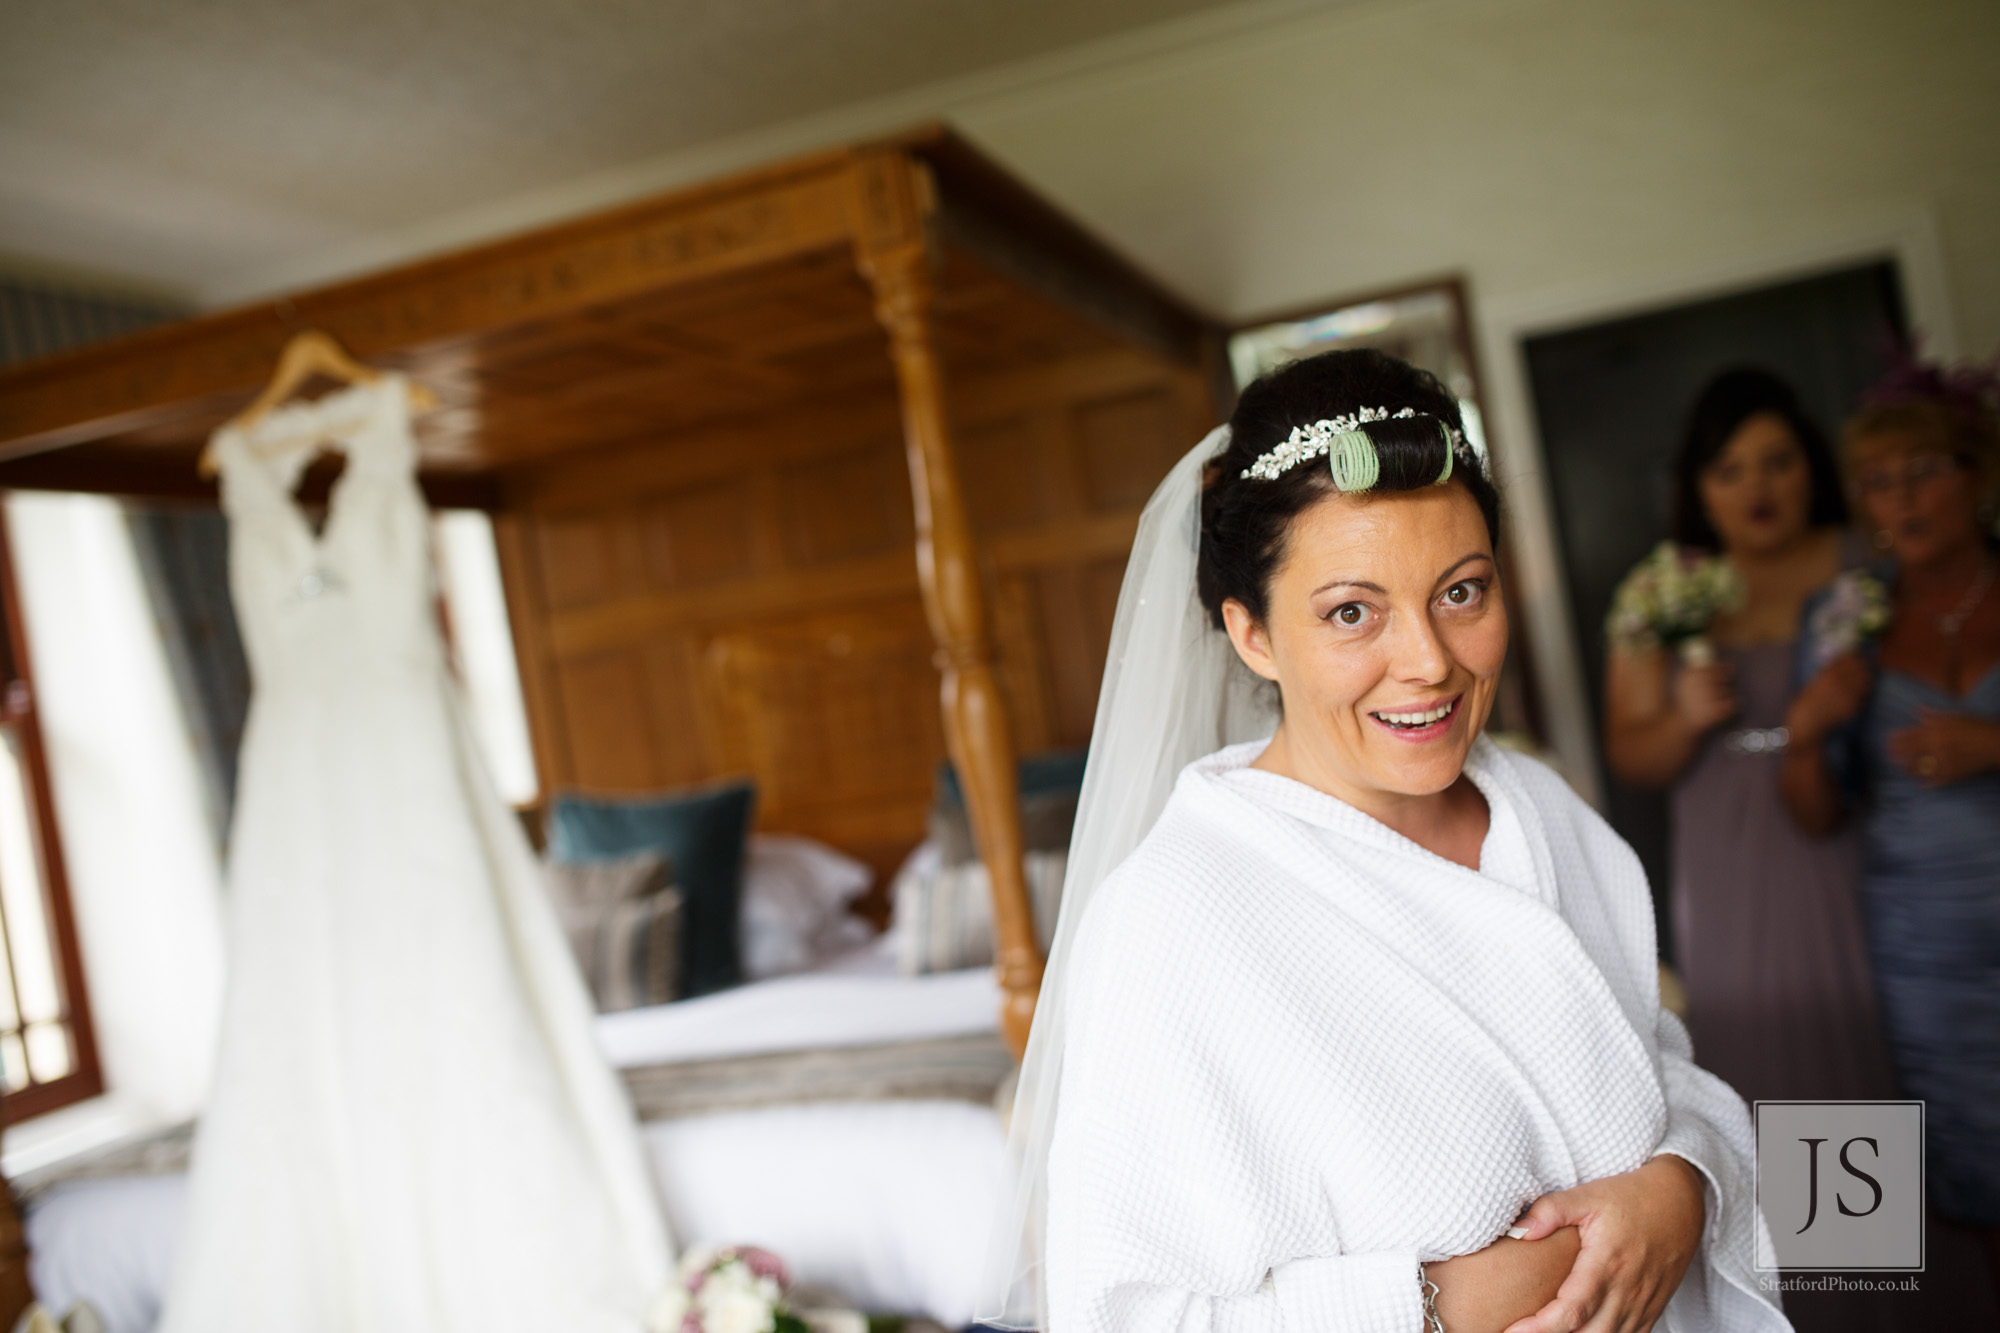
[(693, 419)]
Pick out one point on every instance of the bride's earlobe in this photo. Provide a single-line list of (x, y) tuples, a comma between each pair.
[(1247, 636)]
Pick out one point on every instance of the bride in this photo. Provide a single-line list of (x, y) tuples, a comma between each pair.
[(1356, 1026)]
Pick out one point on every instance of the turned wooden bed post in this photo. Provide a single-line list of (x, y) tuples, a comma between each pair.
[(891, 201)]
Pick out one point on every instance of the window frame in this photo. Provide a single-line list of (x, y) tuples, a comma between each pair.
[(18, 707)]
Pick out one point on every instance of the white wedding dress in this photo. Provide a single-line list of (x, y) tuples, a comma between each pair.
[(411, 1126)]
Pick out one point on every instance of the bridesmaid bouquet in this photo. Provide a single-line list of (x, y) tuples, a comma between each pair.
[(733, 1289), (1669, 600), (1853, 609)]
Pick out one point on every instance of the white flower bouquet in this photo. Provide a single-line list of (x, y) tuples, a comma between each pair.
[(727, 1289), (1854, 608), (1670, 599)]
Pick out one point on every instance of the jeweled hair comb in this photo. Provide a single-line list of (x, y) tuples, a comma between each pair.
[(1350, 453)]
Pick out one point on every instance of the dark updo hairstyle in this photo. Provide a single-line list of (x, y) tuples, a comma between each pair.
[(1731, 399), (1244, 520)]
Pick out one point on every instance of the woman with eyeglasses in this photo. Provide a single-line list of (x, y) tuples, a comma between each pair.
[(1904, 738), (1768, 927)]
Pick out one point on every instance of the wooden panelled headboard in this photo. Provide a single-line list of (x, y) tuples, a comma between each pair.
[(743, 601)]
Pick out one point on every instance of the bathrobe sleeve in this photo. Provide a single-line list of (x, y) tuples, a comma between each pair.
[(1705, 1118), (1176, 1201), (1709, 1127)]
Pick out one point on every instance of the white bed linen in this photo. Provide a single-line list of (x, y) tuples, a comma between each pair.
[(109, 1240), (858, 1000), (888, 1202)]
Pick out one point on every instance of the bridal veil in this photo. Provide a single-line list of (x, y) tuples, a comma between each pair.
[(1174, 690)]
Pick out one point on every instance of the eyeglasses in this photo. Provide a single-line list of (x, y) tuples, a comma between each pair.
[(1916, 470)]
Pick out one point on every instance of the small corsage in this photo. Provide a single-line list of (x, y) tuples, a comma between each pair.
[(1853, 609), (1670, 599)]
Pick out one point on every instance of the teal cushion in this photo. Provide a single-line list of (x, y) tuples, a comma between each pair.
[(702, 833), (1049, 787), (1060, 770)]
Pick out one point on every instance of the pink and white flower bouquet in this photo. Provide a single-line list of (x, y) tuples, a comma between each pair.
[(1669, 600), (726, 1289), (1854, 609)]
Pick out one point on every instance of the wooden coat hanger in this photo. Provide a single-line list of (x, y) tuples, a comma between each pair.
[(309, 353)]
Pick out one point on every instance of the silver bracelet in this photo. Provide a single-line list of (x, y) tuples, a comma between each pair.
[(1432, 1324), (1757, 740)]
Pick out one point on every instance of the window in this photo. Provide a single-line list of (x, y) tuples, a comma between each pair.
[(48, 1055), (482, 649)]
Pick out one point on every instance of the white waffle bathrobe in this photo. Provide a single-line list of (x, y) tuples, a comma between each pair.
[(1305, 1054)]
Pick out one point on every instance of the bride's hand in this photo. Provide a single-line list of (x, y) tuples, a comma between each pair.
[(1639, 1230), (1487, 1290)]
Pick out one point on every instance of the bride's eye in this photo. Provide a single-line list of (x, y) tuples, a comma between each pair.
[(1466, 593)]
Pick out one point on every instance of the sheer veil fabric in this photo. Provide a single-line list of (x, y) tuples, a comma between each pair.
[(1174, 690)]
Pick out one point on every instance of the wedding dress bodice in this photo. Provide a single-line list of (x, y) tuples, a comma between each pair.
[(354, 599)]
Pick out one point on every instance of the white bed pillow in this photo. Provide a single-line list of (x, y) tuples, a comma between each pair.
[(793, 912), (887, 1203), (110, 1242)]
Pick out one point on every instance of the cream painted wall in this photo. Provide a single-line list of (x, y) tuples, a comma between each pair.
[(1531, 143)]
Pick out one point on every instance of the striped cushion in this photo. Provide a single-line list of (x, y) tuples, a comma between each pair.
[(624, 925), (944, 920)]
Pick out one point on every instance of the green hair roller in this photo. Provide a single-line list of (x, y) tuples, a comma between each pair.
[(1352, 457)]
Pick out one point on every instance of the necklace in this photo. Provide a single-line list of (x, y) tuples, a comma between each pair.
[(1949, 624), (1953, 621)]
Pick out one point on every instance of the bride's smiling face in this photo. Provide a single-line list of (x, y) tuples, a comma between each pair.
[(1385, 633)]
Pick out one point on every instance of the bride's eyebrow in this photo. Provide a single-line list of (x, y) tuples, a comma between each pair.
[(1461, 563), (1457, 565), (1349, 583)]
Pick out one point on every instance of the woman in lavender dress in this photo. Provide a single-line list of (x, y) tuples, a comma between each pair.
[(1767, 922)]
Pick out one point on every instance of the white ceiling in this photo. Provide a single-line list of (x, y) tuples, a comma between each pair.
[(214, 148)]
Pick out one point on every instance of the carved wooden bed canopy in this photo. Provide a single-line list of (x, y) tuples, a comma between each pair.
[(693, 418)]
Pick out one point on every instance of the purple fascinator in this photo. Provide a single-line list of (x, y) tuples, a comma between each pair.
[(1969, 391)]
